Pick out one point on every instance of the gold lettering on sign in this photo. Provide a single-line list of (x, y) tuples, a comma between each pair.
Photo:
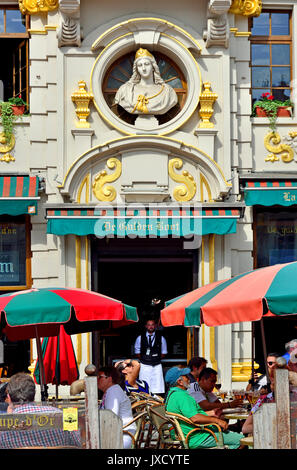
[(107, 193), (285, 151)]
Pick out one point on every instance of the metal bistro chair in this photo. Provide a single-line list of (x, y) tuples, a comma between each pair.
[(184, 439)]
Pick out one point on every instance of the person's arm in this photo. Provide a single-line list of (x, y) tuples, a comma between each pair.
[(207, 406), (247, 427), (164, 351), (137, 347), (112, 401), (205, 419)]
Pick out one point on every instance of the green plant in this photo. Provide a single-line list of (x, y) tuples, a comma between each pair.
[(270, 105), (17, 101), (7, 119)]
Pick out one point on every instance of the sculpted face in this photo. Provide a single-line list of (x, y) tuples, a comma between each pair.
[(144, 67)]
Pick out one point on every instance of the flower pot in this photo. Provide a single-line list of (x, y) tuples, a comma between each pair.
[(17, 110), (283, 111), (260, 112)]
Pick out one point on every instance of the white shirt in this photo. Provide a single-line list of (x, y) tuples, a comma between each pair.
[(116, 400), (138, 342), (196, 392)]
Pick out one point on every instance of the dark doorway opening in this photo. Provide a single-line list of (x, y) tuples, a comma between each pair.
[(137, 271), (278, 332)]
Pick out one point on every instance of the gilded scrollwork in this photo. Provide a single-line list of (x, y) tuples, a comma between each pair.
[(186, 192), (107, 193), (272, 143), (31, 7), (246, 7), (5, 148)]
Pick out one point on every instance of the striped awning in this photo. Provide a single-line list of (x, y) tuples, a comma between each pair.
[(141, 222), (18, 195), (270, 193)]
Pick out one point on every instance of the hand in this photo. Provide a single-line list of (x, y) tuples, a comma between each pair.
[(216, 412), (235, 403), (222, 424)]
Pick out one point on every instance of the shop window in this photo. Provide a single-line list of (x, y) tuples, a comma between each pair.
[(15, 262), (14, 42), (271, 54), (275, 236), (121, 71)]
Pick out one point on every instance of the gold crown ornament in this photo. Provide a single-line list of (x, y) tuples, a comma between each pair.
[(143, 53)]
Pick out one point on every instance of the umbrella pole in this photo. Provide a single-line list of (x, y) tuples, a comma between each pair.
[(265, 352), (44, 394), (253, 354)]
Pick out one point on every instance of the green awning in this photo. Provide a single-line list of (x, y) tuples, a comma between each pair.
[(18, 195), (141, 222), (270, 193)]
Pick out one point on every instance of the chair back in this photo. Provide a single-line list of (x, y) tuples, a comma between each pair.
[(164, 425)]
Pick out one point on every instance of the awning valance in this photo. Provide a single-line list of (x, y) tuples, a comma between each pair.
[(269, 193), (141, 222), (18, 195)]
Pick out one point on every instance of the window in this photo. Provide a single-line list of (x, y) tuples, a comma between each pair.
[(271, 50), (15, 262), (14, 72), (275, 236), (121, 71)]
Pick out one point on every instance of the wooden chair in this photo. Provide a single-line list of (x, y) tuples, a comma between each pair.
[(184, 439)]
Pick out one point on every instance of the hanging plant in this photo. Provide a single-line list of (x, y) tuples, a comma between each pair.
[(9, 112), (270, 107)]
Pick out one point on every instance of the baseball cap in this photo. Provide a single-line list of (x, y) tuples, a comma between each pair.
[(175, 373)]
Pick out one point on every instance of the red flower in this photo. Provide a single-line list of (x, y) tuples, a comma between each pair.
[(270, 97)]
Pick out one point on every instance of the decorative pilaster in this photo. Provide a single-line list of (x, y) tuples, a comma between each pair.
[(82, 99), (246, 7), (206, 99), (33, 7)]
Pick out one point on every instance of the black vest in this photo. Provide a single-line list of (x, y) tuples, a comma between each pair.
[(154, 357)]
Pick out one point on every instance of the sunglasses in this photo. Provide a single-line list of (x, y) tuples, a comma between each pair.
[(270, 363)]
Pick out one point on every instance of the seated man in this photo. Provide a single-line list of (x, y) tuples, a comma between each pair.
[(179, 401), (196, 364), (20, 397), (202, 392)]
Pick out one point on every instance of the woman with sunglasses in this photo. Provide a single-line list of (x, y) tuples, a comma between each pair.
[(259, 383), (130, 372)]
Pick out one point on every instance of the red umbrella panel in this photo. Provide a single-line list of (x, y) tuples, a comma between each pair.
[(59, 361)]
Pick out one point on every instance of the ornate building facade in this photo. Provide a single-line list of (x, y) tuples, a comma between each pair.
[(149, 201)]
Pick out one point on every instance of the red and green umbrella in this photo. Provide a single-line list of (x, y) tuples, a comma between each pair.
[(251, 296), (59, 361), (78, 310), (39, 312), (269, 291)]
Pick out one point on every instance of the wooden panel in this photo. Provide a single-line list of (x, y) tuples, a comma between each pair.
[(282, 399), (111, 430), (264, 427)]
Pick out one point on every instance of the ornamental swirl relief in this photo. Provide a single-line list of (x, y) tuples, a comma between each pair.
[(107, 193), (30, 7), (285, 151), (186, 192)]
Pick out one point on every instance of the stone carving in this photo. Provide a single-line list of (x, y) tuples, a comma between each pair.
[(69, 32), (186, 192), (277, 148), (217, 33), (146, 93), (207, 101), (82, 100), (246, 7), (31, 7), (107, 193), (5, 148)]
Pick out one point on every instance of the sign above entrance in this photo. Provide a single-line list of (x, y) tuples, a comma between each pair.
[(141, 221), (270, 193)]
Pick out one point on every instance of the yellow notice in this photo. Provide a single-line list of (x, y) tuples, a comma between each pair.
[(70, 419)]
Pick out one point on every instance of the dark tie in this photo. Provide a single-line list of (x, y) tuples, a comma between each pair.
[(150, 341)]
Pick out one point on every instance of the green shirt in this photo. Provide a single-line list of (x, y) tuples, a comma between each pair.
[(179, 401)]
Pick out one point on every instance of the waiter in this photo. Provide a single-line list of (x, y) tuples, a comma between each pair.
[(150, 348)]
